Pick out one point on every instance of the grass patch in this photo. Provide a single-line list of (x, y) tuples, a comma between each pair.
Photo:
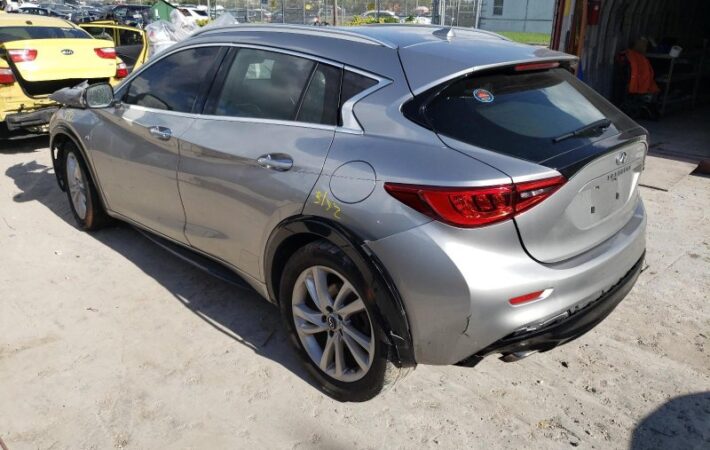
[(527, 38)]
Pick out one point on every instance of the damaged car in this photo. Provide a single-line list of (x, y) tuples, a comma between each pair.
[(404, 194), (39, 55)]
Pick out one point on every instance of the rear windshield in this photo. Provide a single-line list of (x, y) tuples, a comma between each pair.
[(8, 34), (519, 114)]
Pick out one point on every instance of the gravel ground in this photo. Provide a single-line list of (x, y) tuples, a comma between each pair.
[(109, 342)]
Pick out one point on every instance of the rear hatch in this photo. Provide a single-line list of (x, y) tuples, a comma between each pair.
[(45, 59), (529, 118)]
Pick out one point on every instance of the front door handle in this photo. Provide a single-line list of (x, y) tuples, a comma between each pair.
[(162, 133), (276, 161)]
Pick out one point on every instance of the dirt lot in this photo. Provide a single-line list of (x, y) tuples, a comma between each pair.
[(109, 342)]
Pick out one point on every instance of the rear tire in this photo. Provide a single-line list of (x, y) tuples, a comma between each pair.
[(332, 325), (83, 197)]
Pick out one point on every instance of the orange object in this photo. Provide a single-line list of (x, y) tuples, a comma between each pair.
[(642, 77)]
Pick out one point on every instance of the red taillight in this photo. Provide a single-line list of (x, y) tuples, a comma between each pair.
[(536, 66), (474, 207), (121, 70), (106, 52), (531, 193), (6, 76), (22, 55)]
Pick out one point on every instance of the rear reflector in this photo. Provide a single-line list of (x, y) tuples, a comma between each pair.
[(477, 206), (536, 66), (537, 295), (6, 76), (22, 55), (106, 52), (121, 70)]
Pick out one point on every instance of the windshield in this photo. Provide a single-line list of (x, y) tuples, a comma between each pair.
[(518, 114), (8, 34)]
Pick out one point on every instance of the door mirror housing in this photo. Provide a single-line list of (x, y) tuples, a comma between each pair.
[(98, 96)]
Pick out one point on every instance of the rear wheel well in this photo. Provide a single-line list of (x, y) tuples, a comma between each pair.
[(294, 233), (283, 253)]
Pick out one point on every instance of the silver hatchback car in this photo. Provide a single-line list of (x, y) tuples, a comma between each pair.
[(405, 194)]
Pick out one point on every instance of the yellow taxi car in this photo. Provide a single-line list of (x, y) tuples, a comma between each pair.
[(39, 55)]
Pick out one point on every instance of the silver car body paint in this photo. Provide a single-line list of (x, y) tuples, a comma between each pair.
[(203, 188)]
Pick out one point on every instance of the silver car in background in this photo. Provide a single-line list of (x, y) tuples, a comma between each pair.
[(405, 194)]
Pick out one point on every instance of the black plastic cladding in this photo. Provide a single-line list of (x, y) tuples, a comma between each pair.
[(390, 314)]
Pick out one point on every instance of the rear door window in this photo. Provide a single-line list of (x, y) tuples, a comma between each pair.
[(263, 84), (519, 114), (320, 103), (172, 83)]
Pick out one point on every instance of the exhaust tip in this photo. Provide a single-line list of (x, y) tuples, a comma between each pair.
[(516, 356)]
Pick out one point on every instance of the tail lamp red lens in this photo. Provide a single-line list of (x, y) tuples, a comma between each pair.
[(6, 76), (22, 55), (476, 206), (106, 52), (121, 70)]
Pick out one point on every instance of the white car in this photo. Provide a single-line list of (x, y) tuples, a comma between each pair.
[(422, 20), (194, 14), (15, 5)]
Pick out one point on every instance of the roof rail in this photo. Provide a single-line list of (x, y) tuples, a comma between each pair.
[(337, 33), (438, 29)]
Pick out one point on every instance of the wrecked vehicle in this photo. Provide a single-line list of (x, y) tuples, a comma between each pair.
[(131, 43), (39, 55), (410, 195)]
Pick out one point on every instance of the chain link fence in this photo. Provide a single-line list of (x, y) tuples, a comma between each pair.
[(344, 12)]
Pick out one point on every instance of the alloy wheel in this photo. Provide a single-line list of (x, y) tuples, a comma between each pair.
[(333, 324), (77, 185)]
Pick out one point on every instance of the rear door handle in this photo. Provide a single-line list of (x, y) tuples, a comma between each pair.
[(276, 161), (162, 133)]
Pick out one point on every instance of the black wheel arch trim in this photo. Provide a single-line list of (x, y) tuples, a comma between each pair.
[(64, 131), (392, 316)]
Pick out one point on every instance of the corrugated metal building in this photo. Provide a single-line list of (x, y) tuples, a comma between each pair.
[(598, 30)]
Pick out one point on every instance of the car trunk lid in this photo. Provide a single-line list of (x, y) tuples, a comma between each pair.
[(60, 59), (591, 207)]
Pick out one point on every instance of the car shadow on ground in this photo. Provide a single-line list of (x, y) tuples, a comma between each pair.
[(239, 313), (26, 143), (680, 423)]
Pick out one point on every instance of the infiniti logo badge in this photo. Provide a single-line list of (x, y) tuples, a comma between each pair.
[(67, 52), (620, 158)]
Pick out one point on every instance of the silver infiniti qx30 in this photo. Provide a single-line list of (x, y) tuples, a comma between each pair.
[(405, 194)]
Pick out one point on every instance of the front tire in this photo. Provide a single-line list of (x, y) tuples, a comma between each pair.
[(332, 324), (82, 194)]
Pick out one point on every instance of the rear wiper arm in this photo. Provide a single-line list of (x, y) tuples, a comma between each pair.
[(598, 125)]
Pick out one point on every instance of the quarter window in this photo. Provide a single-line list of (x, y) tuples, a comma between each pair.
[(353, 84), (172, 83)]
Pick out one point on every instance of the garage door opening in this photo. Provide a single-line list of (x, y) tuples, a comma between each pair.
[(649, 57)]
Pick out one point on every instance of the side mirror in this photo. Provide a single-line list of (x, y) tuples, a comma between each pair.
[(98, 96)]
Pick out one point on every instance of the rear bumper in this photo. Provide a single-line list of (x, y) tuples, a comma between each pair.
[(456, 284), (566, 327), (35, 118)]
